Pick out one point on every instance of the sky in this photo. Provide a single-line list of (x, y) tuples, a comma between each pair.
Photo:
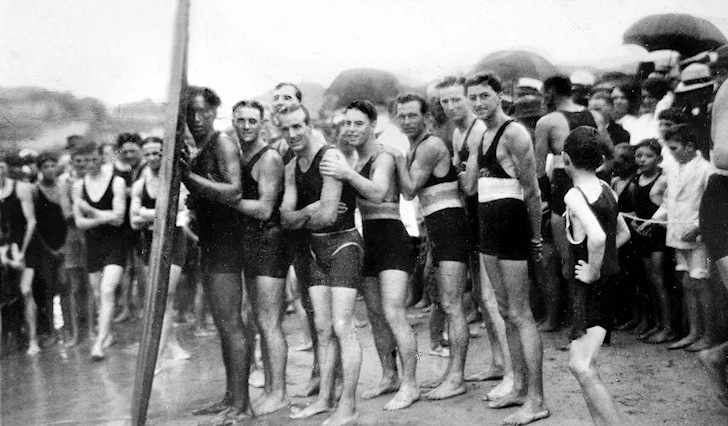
[(120, 50)]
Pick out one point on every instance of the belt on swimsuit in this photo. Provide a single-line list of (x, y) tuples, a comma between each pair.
[(721, 172), (371, 211), (440, 197), (334, 235), (557, 162), (492, 188)]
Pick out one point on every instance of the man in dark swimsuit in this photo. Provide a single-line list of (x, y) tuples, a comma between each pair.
[(264, 259), (101, 220), (214, 180), (429, 174), (17, 225), (311, 201), (551, 131), (502, 171), (469, 129), (388, 253)]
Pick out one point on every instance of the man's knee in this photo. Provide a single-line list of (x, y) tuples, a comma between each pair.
[(343, 327), (581, 368)]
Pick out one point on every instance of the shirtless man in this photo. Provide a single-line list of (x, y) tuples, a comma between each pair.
[(311, 201), (142, 214), (264, 260), (17, 218), (469, 128), (551, 131), (213, 178), (502, 172), (99, 202), (713, 226), (388, 253), (428, 173)]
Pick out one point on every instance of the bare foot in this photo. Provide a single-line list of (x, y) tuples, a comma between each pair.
[(404, 398), (33, 348), (649, 333), (312, 388), (384, 387), (432, 384), (511, 399), (529, 413), (664, 335), (629, 325), (304, 347), (267, 404), (341, 417), (715, 362), (214, 408), (685, 341), (317, 407), (176, 353), (641, 328), (701, 345), (441, 352), (502, 389), (230, 416), (449, 388), (257, 378), (73, 341), (123, 316), (490, 373), (163, 364)]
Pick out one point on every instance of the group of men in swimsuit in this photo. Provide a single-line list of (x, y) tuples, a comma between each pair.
[(249, 203)]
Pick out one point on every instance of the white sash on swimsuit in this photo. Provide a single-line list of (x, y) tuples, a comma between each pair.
[(438, 197), (493, 188), (370, 210)]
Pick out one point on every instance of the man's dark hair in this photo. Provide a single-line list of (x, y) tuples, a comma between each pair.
[(250, 104), (290, 109), (153, 139), (484, 79), (299, 95), (124, 138), (86, 148), (366, 107), (450, 81), (584, 147), (676, 115), (13, 159), (656, 87), (682, 134), (45, 157), (207, 94), (651, 144), (414, 97), (606, 97), (560, 84)]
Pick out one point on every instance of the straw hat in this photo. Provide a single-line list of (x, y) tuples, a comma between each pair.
[(693, 77)]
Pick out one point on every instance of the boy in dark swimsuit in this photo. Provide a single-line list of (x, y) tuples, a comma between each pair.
[(595, 230)]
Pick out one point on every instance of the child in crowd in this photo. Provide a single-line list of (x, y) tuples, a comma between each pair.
[(595, 230), (647, 191), (686, 183)]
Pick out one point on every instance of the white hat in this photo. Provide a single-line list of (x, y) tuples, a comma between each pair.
[(531, 83), (582, 77), (693, 77)]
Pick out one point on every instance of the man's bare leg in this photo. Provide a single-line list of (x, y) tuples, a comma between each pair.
[(224, 292), (343, 304), (451, 282), (654, 266), (582, 364), (168, 343), (500, 363), (31, 309), (268, 307), (690, 293), (510, 282), (70, 303), (563, 248), (708, 317), (384, 339), (110, 277), (321, 298), (295, 289), (715, 360), (394, 294)]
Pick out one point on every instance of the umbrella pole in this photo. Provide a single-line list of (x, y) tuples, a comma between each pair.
[(166, 212)]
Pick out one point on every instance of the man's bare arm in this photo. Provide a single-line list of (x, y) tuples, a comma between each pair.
[(290, 217), (324, 212), (270, 183), (541, 146), (429, 154), (520, 149), (230, 190), (25, 195), (374, 189)]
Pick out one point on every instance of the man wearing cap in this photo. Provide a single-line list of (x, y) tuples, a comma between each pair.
[(720, 65), (694, 96), (581, 83), (602, 103)]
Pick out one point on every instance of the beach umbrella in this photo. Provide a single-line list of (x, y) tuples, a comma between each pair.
[(510, 65), (681, 32), (374, 85)]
